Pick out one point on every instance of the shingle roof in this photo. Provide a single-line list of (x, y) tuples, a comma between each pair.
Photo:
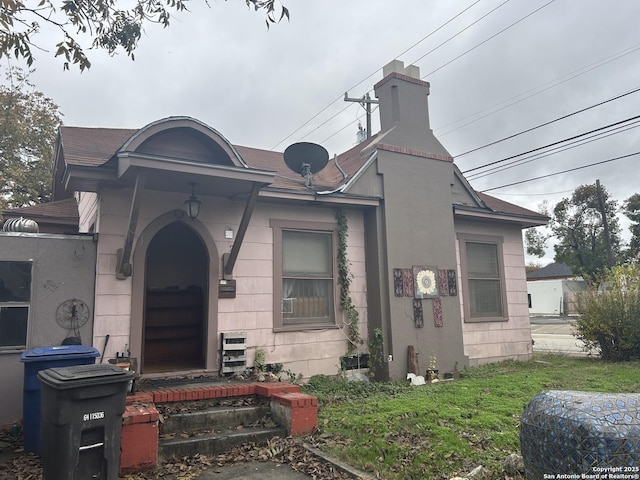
[(553, 270), (60, 216), (498, 205), (95, 146), (92, 146), (67, 208)]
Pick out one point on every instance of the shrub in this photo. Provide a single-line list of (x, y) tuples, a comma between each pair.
[(610, 315)]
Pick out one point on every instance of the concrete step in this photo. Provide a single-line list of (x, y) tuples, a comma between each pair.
[(213, 443), (215, 418)]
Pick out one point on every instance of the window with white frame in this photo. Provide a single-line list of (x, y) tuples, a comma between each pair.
[(304, 278), (483, 277), (15, 297)]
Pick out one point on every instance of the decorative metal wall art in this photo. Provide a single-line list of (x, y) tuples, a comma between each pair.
[(407, 274), (453, 283), (398, 282), (426, 282), (438, 319), (418, 314), (443, 282)]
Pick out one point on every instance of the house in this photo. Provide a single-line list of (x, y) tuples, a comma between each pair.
[(201, 244), (59, 216), (46, 298), (552, 290)]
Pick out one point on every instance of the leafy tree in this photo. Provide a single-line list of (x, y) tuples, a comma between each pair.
[(608, 320), (532, 267), (578, 226), (110, 26), (28, 126), (631, 209), (536, 237), (535, 241)]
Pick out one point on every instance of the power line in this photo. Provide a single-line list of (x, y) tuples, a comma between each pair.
[(533, 194), (551, 84), (552, 144), (371, 75), (451, 61), (460, 32), (563, 171), (576, 143), (582, 110), (490, 38)]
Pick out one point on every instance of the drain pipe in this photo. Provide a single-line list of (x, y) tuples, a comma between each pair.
[(104, 347), (335, 160)]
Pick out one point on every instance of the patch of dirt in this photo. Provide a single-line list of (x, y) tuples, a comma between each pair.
[(279, 450), (17, 465), (14, 463)]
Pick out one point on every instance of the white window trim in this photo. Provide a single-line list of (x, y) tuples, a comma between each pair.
[(19, 304)]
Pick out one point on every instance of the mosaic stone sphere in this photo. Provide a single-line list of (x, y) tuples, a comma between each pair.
[(570, 434)]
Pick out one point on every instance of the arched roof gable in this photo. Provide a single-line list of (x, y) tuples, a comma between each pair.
[(145, 137)]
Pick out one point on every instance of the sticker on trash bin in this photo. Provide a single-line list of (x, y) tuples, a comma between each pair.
[(93, 416)]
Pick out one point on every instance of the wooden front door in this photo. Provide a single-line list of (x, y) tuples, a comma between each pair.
[(176, 281)]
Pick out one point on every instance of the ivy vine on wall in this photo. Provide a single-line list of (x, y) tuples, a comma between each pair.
[(344, 279)]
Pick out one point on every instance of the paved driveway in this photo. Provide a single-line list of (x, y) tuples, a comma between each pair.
[(554, 335)]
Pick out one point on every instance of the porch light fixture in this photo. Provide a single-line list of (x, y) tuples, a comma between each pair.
[(193, 204)]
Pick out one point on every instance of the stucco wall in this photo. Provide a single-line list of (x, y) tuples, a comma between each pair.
[(486, 342), (305, 352), (419, 230), (63, 268)]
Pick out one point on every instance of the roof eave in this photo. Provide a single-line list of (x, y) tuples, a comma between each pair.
[(130, 160), (83, 178), (311, 196), (525, 221)]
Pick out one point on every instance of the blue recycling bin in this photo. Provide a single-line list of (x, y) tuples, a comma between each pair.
[(43, 358)]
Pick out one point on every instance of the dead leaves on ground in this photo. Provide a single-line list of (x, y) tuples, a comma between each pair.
[(287, 451)]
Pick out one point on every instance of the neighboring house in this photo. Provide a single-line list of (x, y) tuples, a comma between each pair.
[(552, 290), (53, 217), (43, 277), (434, 265)]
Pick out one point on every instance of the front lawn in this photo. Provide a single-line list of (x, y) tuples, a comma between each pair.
[(446, 429)]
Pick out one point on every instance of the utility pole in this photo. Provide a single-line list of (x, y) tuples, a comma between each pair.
[(365, 102), (605, 223)]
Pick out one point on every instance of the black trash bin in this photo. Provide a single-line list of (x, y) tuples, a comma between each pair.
[(82, 410), (38, 359)]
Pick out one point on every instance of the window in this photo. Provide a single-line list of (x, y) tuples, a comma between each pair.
[(484, 295), (304, 283), (15, 294)]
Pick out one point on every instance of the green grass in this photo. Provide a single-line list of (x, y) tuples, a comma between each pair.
[(446, 429)]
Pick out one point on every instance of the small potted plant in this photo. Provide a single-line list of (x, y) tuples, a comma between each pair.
[(432, 371)]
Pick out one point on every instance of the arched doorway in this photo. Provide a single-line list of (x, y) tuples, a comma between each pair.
[(175, 305)]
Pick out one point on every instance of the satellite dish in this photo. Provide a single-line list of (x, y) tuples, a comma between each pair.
[(306, 159)]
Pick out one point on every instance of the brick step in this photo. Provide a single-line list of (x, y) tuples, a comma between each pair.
[(214, 443), (216, 418), (162, 424)]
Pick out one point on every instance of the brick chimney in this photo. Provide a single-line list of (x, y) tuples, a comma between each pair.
[(404, 109)]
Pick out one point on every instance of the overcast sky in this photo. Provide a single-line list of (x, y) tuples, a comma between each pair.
[(220, 65)]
